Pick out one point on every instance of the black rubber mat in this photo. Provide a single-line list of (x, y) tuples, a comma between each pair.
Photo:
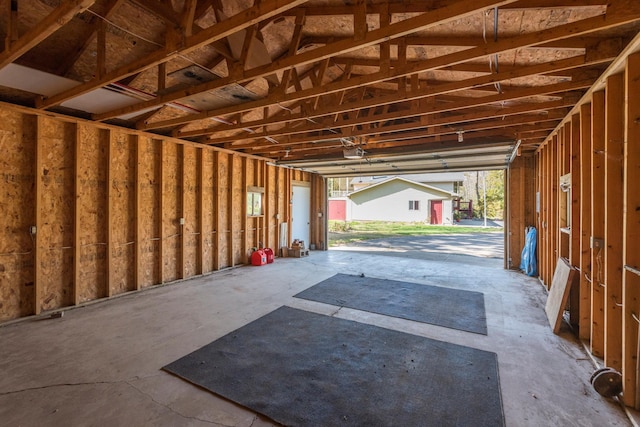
[(305, 369), (451, 308)]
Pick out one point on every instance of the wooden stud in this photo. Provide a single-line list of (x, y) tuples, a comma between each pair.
[(631, 246), (231, 209), (77, 242), (201, 192), (584, 327), (574, 168), (278, 210), (544, 208), (37, 244), (573, 214), (555, 226), (137, 275), (182, 208), (161, 243), (216, 212), (267, 206), (597, 222), (243, 209), (613, 201), (109, 194), (289, 201)]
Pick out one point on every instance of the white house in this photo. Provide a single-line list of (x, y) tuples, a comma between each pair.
[(400, 199)]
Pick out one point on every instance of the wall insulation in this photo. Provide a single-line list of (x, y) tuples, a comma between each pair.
[(90, 211), (587, 179)]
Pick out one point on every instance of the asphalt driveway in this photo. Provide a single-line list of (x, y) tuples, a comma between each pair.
[(473, 248)]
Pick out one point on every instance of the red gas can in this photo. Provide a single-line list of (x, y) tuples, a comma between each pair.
[(258, 257), (269, 253)]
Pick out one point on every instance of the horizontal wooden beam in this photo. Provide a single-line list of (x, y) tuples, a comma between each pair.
[(263, 10), (429, 91), (586, 26), (424, 21), (52, 22)]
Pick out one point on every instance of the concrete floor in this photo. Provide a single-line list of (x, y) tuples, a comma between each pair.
[(99, 365)]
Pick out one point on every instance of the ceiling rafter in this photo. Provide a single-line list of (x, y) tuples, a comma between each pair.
[(400, 132), (418, 7), (435, 90), (541, 122), (470, 117), (261, 11), (373, 37), (296, 81), (87, 36), (52, 22), (585, 26)]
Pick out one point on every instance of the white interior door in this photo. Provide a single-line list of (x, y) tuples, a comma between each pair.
[(301, 214)]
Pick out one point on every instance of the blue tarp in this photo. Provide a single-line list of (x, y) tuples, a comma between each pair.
[(528, 263)]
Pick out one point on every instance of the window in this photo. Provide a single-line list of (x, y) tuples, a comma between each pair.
[(254, 201), (414, 205)]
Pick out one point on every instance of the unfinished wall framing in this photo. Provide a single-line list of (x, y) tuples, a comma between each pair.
[(595, 226), (92, 211)]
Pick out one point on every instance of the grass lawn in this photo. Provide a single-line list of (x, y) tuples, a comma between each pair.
[(342, 233)]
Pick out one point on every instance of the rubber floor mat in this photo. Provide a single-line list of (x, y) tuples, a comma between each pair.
[(305, 369), (436, 305)]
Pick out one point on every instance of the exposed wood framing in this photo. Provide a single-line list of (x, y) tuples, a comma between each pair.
[(37, 214), (585, 222), (603, 160), (107, 134), (120, 247), (200, 153), (77, 242), (613, 201), (161, 197), (56, 19), (597, 222), (139, 167), (631, 231)]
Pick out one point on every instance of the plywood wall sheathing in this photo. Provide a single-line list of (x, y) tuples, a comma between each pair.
[(56, 139), (149, 210), (613, 198), (123, 181), (209, 234), (17, 163), (107, 203), (91, 213)]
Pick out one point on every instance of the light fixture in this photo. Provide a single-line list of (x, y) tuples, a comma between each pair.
[(460, 137), (353, 153), (286, 152)]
